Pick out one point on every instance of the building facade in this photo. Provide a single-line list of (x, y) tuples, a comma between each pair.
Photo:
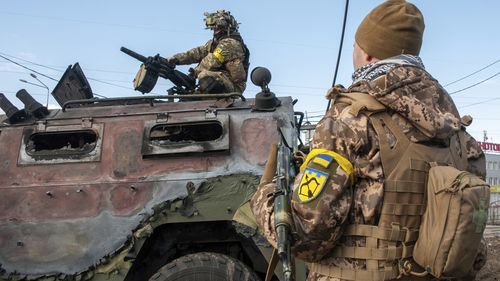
[(492, 152)]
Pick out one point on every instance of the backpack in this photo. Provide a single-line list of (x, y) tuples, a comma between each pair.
[(453, 222)]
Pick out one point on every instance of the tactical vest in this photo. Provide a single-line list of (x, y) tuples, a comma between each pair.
[(246, 61), (237, 37), (405, 165)]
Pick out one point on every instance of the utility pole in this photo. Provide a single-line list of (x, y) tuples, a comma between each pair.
[(38, 85)]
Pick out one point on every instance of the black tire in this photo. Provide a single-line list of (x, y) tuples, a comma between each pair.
[(205, 267)]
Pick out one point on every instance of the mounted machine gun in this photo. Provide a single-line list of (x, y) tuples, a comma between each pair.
[(157, 66)]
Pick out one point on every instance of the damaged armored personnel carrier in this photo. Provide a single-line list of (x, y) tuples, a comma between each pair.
[(135, 188)]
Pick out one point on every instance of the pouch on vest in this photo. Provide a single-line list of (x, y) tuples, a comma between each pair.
[(453, 222)]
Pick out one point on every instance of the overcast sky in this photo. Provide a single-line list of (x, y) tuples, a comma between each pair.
[(297, 40)]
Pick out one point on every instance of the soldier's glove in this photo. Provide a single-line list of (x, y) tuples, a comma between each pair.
[(332, 92), (299, 157), (173, 60), (191, 73)]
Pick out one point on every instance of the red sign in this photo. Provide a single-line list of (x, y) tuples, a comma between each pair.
[(490, 146)]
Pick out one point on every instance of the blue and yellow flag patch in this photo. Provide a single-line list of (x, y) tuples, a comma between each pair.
[(324, 157), (311, 184), (323, 160)]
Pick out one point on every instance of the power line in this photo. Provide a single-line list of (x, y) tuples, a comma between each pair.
[(3, 55), (13, 92), (485, 118), (12, 71), (475, 84), (34, 63), (41, 65), (288, 43), (340, 50), (123, 72), (30, 69), (469, 97), (8, 92), (129, 81), (182, 31), (109, 71), (107, 83), (128, 26), (60, 68), (481, 102), (467, 76), (99, 23)]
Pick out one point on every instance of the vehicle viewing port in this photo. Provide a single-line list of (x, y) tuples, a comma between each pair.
[(191, 132), (61, 144), (185, 136), (77, 142)]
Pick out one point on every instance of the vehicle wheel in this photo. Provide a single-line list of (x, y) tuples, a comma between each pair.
[(205, 267)]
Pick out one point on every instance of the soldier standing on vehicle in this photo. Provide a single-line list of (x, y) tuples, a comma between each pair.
[(223, 61), (357, 203)]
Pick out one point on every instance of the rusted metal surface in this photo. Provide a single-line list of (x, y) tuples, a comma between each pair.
[(66, 216), (257, 135)]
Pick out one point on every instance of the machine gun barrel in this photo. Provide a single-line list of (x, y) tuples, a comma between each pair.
[(133, 54), (157, 66)]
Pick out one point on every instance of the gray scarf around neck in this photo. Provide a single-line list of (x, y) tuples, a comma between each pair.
[(373, 70)]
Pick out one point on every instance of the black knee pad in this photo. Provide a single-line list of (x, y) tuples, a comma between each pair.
[(209, 84)]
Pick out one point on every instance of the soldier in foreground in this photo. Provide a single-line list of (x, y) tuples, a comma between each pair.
[(223, 61), (358, 201)]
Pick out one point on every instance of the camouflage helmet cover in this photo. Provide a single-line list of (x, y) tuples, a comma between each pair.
[(221, 19)]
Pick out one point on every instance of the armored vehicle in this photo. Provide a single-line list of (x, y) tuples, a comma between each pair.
[(135, 188)]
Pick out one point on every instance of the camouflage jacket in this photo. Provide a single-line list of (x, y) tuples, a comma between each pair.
[(225, 56), (425, 112)]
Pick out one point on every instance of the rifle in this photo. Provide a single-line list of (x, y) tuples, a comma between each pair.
[(285, 174), (157, 66)]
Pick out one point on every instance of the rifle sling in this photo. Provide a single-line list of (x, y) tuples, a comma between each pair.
[(272, 265)]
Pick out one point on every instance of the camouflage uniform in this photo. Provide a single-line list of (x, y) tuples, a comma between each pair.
[(424, 111), (222, 59)]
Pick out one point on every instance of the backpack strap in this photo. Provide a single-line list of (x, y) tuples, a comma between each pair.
[(364, 102), (460, 154), (360, 102), (384, 126)]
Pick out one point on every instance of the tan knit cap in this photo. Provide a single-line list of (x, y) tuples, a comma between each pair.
[(394, 27)]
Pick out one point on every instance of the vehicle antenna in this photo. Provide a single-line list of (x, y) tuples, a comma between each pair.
[(340, 50)]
